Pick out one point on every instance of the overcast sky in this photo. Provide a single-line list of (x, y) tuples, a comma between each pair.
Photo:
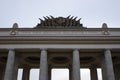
[(92, 12), (60, 74)]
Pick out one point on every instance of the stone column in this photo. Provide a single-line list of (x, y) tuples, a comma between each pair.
[(43, 66), (70, 73), (117, 71), (26, 73), (93, 73), (9, 71), (16, 67), (1, 72), (76, 65), (107, 66), (49, 72)]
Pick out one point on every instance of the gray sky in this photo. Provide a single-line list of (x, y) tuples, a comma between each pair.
[(27, 12), (92, 12)]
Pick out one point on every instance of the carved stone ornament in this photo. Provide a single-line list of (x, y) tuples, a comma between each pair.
[(14, 29), (59, 22), (105, 30)]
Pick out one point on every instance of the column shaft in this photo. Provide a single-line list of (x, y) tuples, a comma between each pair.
[(9, 71), (103, 67), (43, 66), (26, 73), (93, 72), (76, 65), (70, 73), (107, 66), (117, 71), (16, 67), (1, 72), (49, 72)]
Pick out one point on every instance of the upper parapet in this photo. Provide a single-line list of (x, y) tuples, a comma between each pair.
[(59, 22)]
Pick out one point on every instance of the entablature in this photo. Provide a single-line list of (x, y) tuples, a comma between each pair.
[(55, 36)]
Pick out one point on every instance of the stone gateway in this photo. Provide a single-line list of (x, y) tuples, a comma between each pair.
[(60, 43)]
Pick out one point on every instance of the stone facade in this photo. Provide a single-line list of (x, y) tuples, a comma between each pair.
[(59, 48)]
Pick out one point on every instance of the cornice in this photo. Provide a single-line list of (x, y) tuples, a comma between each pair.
[(54, 36), (82, 29), (60, 39)]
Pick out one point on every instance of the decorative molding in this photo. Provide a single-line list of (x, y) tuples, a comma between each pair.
[(14, 29), (105, 30)]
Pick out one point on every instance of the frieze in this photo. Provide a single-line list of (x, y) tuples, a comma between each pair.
[(59, 33)]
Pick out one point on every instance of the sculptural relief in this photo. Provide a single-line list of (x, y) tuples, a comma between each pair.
[(59, 22)]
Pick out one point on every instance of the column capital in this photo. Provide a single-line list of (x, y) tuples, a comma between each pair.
[(107, 49), (75, 49), (43, 49), (12, 49)]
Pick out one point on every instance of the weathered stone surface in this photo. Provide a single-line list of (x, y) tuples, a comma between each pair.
[(107, 66), (9, 72), (43, 66), (76, 65)]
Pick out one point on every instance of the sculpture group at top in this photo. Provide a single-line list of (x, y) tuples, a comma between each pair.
[(66, 22)]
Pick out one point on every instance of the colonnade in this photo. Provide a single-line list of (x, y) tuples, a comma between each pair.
[(11, 69)]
